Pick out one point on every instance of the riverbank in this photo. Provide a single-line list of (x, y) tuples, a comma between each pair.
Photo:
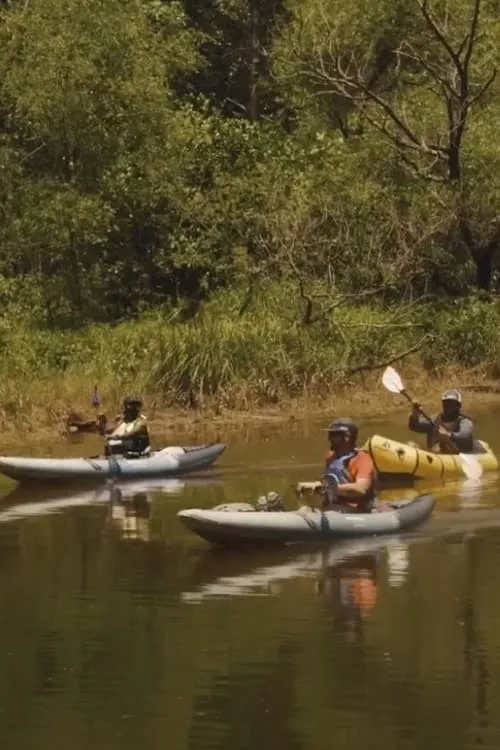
[(365, 401), (225, 369), (362, 401)]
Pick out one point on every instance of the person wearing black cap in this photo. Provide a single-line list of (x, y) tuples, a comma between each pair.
[(350, 472), (451, 431), (130, 438), (350, 475)]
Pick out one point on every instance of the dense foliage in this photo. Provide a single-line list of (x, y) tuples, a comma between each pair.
[(152, 152), (223, 361), (239, 201)]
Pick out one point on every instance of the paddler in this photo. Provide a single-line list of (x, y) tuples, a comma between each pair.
[(350, 476), (130, 437), (449, 430)]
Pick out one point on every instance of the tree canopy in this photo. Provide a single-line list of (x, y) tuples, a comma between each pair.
[(154, 151)]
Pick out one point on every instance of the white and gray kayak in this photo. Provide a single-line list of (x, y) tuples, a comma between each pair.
[(236, 527), (171, 461)]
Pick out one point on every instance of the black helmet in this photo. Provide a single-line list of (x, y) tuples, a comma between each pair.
[(345, 425), (132, 401), (452, 395)]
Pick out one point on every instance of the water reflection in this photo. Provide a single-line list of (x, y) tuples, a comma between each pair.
[(350, 588), (25, 502), (130, 516), (457, 494), (263, 574), (398, 561), (369, 643), (475, 655)]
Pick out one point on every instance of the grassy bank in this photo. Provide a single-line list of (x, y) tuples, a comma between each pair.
[(227, 365)]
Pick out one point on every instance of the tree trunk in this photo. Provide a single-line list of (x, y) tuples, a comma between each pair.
[(483, 258), (483, 254), (74, 276), (253, 100)]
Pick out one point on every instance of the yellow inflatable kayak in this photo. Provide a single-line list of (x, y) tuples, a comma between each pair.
[(400, 460)]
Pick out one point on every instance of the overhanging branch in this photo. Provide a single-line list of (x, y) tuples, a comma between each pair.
[(386, 362)]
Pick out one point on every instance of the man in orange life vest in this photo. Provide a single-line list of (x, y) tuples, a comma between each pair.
[(349, 477)]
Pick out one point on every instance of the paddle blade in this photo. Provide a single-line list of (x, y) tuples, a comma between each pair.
[(392, 381), (471, 466)]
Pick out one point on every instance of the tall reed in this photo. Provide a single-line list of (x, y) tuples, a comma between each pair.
[(226, 359)]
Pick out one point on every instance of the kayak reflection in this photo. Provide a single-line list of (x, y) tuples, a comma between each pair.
[(130, 515), (221, 573), (28, 502)]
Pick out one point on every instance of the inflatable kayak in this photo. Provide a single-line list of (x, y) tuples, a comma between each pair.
[(400, 460), (170, 461), (230, 527)]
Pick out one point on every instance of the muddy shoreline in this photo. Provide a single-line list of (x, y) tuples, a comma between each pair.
[(363, 401)]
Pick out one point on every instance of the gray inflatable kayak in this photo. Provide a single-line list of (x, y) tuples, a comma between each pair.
[(171, 461), (237, 527)]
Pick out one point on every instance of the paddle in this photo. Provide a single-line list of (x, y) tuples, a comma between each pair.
[(96, 401), (392, 381)]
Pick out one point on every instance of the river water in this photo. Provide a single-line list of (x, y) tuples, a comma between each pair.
[(119, 629)]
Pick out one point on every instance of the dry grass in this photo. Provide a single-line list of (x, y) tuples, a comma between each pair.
[(45, 412), (223, 370)]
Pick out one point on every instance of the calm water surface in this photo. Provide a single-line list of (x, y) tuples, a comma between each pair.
[(119, 629)]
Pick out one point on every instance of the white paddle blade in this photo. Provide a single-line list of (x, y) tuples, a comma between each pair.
[(392, 381), (471, 466)]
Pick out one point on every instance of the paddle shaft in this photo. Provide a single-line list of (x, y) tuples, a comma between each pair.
[(405, 393)]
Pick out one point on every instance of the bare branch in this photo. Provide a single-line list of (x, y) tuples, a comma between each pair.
[(364, 293), (418, 146), (439, 33), (341, 300), (240, 106), (382, 103), (391, 360), (472, 34), (383, 325), (431, 69), (352, 88), (419, 172), (483, 89), (341, 74), (307, 318)]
